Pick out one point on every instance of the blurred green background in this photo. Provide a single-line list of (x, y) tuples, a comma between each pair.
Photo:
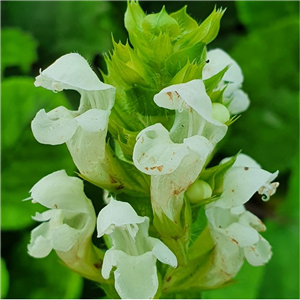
[(263, 37)]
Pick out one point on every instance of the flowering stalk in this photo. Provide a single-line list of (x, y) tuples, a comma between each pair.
[(146, 136)]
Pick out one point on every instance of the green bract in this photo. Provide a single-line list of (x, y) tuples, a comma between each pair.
[(166, 49)]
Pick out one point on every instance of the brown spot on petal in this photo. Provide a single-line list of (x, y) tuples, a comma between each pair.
[(246, 168), (235, 241), (177, 94), (178, 191), (159, 168), (170, 96)]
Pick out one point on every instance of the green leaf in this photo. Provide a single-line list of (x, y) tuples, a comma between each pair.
[(272, 83), (4, 279), (52, 280), (18, 49), (283, 235), (21, 100), (26, 161), (247, 12), (89, 35)]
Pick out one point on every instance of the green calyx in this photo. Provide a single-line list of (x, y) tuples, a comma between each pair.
[(166, 49)]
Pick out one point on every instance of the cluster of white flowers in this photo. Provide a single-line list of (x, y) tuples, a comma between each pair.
[(173, 158)]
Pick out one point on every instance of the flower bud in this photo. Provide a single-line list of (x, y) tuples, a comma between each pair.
[(198, 191), (220, 112)]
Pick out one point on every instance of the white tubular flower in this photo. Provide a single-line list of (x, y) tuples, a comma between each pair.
[(234, 98), (173, 167), (68, 226), (194, 114), (174, 159), (84, 131), (243, 180), (232, 226), (134, 253)]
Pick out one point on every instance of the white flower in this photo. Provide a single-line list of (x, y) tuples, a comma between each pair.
[(194, 114), (233, 228), (234, 98), (174, 159), (134, 253), (84, 131), (67, 226), (243, 180)]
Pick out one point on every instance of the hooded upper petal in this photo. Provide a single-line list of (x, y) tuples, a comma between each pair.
[(217, 61), (192, 96), (117, 214), (73, 72), (242, 181)]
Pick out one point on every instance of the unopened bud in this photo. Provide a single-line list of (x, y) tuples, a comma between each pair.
[(220, 112), (198, 191)]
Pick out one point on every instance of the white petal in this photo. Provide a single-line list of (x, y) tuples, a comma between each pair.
[(219, 218), (59, 191), (239, 102), (135, 276), (163, 253), (88, 152), (55, 127), (218, 60), (242, 160), (70, 71), (110, 260), (249, 219), (241, 235), (93, 120), (40, 245), (155, 154), (178, 96), (116, 214), (237, 210), (193, 95), (259, 253), (227, 261), (45, 216), (63, 238), (240, 184)]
